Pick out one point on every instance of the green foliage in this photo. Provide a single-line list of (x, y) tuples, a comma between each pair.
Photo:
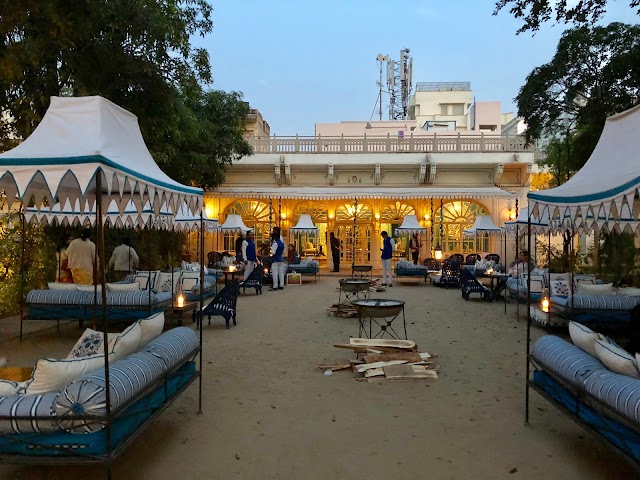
[(616, 258), (136, 53), (561, 261), (38, 265), (536, 12)]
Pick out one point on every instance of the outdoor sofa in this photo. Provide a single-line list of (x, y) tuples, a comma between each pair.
[(590, 388), (405, 268), (307, 267), (58, 416)]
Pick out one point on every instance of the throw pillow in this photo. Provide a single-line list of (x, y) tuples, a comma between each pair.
[(142, 280), (51, 375), (89, 288), (89, 343), (604, 289), (62, 286), (164, 282), (127, 342), (616, 359), (629, 292), (584, 338), (123, 287), (560, 276), (155, 275), (186, 284), (560, 287), (7, 387), (151, 327)]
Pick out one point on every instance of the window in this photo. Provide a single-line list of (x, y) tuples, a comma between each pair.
[(457, 109), (444, 109), (455, 217)]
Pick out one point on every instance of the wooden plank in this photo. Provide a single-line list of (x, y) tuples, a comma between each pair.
[(374, 372), (368, 366), (383, 342), (409, 371), (387, 357), (335, 366)]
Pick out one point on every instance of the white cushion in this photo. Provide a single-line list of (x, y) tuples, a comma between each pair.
[(604, 289), (155, 276), (616, 359), (142, 280), (629, 292), (151, 327), (89, 288), (186, 284), (560, 276), (7, 387), (62, 286), (123, 287), (584, 338), (51, 375), (127, 342), (89, 343), (560, 287)]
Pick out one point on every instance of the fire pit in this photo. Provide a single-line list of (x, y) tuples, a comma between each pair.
[(362, 270), (380, 312), (353, 288)]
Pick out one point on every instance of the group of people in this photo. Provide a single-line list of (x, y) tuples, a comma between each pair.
[(247, 254), (77, 261)]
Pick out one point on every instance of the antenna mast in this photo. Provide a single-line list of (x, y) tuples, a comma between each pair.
[(399, 79)]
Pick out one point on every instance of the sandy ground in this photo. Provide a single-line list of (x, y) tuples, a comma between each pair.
[(270, 414)]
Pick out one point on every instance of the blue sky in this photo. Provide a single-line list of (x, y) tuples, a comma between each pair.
[(302, 62)]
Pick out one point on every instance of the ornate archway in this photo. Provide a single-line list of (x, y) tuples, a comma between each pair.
[(311, 244), (256, 215), (395, 212), (355, 238), (455, 216), (345, 212)]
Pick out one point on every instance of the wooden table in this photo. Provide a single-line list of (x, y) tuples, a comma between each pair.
[(233, 273), (186, 307)]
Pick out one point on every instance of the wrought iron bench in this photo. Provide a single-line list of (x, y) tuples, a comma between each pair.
[(222, 305)]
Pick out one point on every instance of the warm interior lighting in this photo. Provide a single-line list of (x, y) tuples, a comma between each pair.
[(437, 252), (232, 268), (331, 216), (283, 216), (266, 270), (512, 215), (180, 300), (489, 271), (377, 216), (209, 210), (427, 216)]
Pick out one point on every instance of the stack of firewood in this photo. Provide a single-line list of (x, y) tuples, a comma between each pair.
[(386, 360)]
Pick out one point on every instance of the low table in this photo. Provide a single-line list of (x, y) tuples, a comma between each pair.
[(380, 312), (186, 307), (227, 272)]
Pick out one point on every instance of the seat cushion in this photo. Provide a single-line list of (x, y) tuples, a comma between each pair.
[(565, 360)]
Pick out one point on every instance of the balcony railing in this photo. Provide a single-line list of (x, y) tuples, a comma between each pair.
[(390, 144)]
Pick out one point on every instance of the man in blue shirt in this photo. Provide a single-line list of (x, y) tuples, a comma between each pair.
[(248, 254), (388, 245), (278, 267)]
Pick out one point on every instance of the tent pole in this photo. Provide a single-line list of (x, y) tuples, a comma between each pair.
[(105, 331), (526, 415), (201, 308), (549, 273), (22, 255), (173, 246)]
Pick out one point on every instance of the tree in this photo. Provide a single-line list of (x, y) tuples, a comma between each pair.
[(136, 53), (594, 73), (536, 12)]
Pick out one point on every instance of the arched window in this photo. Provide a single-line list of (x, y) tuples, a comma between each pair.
[(256, 215), (316, 210), (456, 216), (311, 243), (347, 211), (395, 212)]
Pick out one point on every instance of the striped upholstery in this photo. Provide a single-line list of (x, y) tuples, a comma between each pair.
[(173, 346), (603, 302), (620, 392), (59, 297), (87, 395), (565, 359), (41, 407)]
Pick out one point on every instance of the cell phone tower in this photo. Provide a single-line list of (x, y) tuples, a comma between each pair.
[(399, 79)]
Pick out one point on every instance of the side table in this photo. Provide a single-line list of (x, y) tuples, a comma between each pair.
[(187, 307)]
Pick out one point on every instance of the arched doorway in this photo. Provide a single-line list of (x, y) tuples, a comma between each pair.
[(391, 217), (455, 216), (356, 237), (256, 215), (312, 244)]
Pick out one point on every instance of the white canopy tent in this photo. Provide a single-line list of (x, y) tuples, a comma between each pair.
[(483, 224), (185, 220), (538, 225), (410, 226), (234, 224), (81, 139), (605, 190), (305, 225)]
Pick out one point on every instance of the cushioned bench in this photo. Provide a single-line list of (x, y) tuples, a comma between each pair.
[(72, 421), (305, 269), (605, 403), (605, 310), (404, 268)]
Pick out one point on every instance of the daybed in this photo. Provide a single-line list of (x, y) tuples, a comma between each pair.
[(306, 267), (69, 419), (405, 268), (595, 310), (605, 403)]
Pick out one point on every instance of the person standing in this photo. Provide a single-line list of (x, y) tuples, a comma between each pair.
[(414, 246), (388, 245), (238, 248), (249, 254), (82, 255), (124, 259), (277, 267), (334, 242)]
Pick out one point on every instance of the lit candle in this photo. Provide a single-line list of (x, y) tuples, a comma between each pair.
[(544, 303), (181, 300), (232, 268), (490, 271)]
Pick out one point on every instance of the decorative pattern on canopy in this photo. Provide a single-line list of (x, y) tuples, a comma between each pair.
[(604, 193), (78, 139)]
